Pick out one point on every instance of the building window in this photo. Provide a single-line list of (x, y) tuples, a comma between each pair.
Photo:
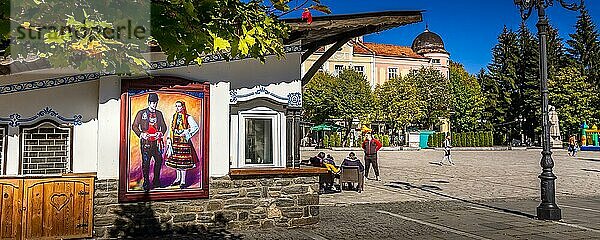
[(46, 149), (360, 69), (261, 132), (259, 141), (2, 147), (392, 73), (337, 69), (435, 61)]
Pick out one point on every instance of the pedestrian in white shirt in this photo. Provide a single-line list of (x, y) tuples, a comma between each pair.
[(447, 147)]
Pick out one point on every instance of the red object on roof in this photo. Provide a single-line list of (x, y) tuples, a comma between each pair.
[(307, 15), (385, 50)]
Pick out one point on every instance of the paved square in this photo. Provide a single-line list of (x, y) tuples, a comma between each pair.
[(486, 195), (413, 176)]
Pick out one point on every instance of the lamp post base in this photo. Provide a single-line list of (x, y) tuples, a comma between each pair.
[(551, 212)]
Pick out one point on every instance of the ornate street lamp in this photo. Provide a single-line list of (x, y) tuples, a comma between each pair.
[(547, 210)]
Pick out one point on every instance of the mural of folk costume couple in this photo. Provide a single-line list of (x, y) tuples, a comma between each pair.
[(149, 125), (180, 152)]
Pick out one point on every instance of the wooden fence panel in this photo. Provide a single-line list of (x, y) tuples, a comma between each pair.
[(11, 208), (58, 208)]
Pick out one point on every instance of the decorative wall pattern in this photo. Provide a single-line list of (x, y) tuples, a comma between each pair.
[(46, 83), (15, 119), (285, 93), (295, 99), (54, 82)]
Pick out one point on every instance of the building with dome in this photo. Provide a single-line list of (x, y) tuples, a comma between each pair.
[(381, 62)]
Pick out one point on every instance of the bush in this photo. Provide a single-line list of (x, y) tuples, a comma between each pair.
[(440, 140), (431, 140), (386, 141), (326, 141), (334, 139), (467, 139)]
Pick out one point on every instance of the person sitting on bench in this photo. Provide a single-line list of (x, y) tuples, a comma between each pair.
[(353, 161), (325, 161)]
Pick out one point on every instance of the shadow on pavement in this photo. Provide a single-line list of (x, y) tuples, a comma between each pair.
[(138, 221), (433, 189), (590, 170), (440, 181), (589, 159)]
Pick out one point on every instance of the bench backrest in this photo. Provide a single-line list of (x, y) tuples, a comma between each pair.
[(350, 174)]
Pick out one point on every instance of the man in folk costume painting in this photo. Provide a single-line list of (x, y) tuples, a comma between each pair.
[(181, 154), (149, 125)]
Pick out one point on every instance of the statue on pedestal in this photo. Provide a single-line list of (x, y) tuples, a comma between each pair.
[(555, 140)]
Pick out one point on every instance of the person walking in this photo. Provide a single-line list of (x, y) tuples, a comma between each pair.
[(447, 147), (572, 150), (370, 147)]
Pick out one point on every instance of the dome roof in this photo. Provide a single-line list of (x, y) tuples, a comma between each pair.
[(428, 42)]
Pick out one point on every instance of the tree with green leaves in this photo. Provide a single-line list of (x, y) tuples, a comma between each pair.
[(503, 71), (526, 99), (317, 98), (80, 33), (398, 102), (491, 94), (584, 46), (556, 50), (353, 98), (434, 95), (468, 101), (570, 94)]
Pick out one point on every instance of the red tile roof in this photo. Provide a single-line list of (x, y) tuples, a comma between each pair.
[(385, 50)]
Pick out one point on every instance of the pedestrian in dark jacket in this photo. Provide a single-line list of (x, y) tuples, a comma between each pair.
[(353, 161), (370, 147)]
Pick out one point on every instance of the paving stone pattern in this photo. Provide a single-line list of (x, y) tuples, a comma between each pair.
[(411, 176), (486, 195)]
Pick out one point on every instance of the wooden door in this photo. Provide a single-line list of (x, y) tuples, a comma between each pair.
[(11, 191), (58, 208)]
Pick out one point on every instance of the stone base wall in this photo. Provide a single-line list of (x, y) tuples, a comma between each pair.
[(237, 204)]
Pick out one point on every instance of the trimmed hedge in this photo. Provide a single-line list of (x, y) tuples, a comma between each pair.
[(468, 139), (335, 140)]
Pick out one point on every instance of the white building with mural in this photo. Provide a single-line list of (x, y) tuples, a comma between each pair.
[(92, 155)]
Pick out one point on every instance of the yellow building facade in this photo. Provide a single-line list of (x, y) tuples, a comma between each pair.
[(381, 62)]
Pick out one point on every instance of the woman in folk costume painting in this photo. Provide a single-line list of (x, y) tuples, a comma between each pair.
[(181, 154)]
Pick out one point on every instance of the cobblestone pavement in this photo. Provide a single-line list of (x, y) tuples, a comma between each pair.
[(413, 176), (486, 195)]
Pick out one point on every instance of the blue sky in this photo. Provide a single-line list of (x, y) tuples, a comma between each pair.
[(469, 28)]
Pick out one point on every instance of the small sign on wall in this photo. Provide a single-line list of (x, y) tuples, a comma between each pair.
[(164, 140)]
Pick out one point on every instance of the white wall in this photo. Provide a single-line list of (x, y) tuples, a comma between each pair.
[(242, 73), (96, 141), (109, 122), (67, 101), (218, 154)]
